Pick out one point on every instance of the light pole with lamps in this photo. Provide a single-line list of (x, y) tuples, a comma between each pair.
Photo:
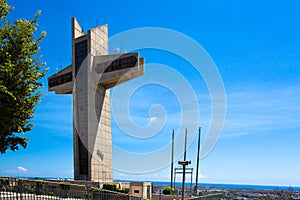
[(184, 163)]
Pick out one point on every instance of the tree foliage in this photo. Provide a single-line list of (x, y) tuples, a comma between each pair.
[(20, 72), (167, 190)]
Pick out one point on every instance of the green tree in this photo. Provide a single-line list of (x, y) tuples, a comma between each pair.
[(20, 72), (167, 190)]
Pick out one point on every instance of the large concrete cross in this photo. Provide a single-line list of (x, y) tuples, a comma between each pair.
[(89, 78)]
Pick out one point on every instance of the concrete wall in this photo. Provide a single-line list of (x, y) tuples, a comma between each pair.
[(140, 189), (101, 160)]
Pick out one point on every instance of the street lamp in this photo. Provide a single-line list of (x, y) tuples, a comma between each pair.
[(184, 163)]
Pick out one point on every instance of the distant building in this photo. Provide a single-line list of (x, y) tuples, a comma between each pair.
[(91, 98), (140, 189)]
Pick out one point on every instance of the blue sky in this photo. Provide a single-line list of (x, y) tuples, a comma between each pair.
[(254, 44)]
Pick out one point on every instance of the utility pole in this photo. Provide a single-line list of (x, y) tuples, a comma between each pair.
[(184, 155), (198, 159), (172, 161), (184, 158), (184, 163)]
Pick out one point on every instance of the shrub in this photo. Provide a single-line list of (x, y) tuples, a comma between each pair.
[(123, 190), (168, 190), (65, 185), (51, 194), (95, 190), (113, 187), (4, 181), (110, 186), (31, 189), (39, 187), (21, 182)]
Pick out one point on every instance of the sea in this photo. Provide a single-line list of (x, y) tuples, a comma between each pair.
[(234, 186)]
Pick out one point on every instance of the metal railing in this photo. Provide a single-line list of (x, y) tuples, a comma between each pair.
[(26, 189), (216, 196)]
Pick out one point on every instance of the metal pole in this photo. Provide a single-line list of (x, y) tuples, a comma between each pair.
[(172, 161), (184, 158), (175, 182), (191, 185), (160, 194), (198, 158), (183, 181)]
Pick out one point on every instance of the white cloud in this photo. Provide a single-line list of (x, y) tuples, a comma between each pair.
[(142, 177), (9, 171), (259, 111), (234, 134), (201, 176), (22, 169), (152, 119)]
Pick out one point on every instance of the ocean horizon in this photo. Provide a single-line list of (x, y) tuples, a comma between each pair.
[(233, 186)]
